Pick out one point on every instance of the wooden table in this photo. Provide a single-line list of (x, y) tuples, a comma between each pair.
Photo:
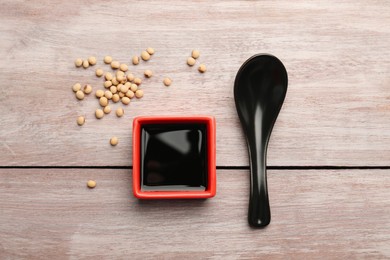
[(329, 155)]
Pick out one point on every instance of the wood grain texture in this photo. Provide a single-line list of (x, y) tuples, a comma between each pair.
[(336, 54), (50, 213)]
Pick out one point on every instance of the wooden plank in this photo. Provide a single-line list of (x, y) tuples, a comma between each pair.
[(50, 213), (336, 54)]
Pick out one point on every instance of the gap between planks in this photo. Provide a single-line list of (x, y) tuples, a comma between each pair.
[(333, 167)]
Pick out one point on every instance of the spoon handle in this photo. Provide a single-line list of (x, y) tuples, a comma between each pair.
[(259, 214)]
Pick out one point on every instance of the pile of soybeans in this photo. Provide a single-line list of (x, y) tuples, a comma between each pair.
[(120, 85)]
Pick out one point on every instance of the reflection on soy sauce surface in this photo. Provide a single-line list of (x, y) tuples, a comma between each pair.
[(173, 157)]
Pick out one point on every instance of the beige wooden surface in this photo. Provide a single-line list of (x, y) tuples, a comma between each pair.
[(336, 54), (315, 215), (336, 113)]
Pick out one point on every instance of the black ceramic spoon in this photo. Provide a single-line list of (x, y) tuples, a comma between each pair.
[(259, 91)]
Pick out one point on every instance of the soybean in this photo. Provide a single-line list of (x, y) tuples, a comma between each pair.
[(137, 81), (91, 184), (130, 77), (120, 112), (107, 83), (150, 50), (133, 87), (115, 64), (107, 59), (99, 93), (120, 76), (85, 64), (80, 120), (124, 88), (148, 73), (145, 55), (76, 87), (80, 95), (135, 60), (99, 72), (103, 101), (114, 141), (191, 61), (167, 82), (108, 94), (195, 54), (130, 94), (114, 82), (78, 62), (92, 60), (115, 98), (113, 89), (123, 67), (107, 109), (139, 93), (108, 76), (119, 87), (87, 89), (99, 113), (126, 100), (202, 68)]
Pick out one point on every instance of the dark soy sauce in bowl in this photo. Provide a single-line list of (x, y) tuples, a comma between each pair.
[(174, 157)]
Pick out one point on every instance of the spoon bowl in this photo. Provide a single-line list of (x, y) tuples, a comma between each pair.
[(259, 91)]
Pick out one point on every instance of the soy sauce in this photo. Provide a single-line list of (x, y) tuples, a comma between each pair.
[(173, 157)]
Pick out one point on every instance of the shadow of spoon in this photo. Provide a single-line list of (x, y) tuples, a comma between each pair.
[(259, 91)]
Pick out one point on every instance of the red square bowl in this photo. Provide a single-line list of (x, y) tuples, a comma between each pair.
[(174, 157)]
